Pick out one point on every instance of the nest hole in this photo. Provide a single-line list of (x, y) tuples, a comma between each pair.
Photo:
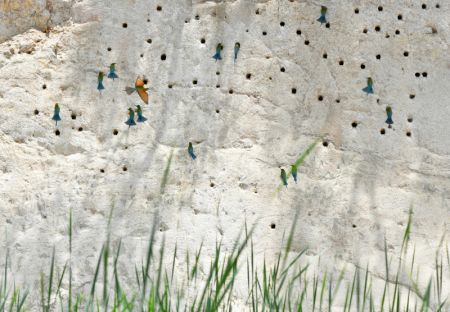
[(325, 143), (408, 133), (124, 25), (377, 28), (142, 55), (145, 81), (273, 226), (382, 131), (218, 86), (194, 82), (406, 54), (356, 11), (197, 17), (231, 91), (211, 184), (378, 56), (44, 86), (163, 57), (424, 74), (57, 132), (380, 8), (397, 32), (299, 32), (170, 86), (306, 42), (353, 225), (324, 55), (410, 119), (102, 170), (282, 24), (320, 98), (294, 90), (424, 6), (109, 49), (149, 40), (217, 111), (248, 76), (282, 69), (363, 66), (124, 168), (80, 129), (354, 124), (202, 41), (341, 62), (73, 116), (158, 8), (115, 132), (264, 33), (412, 96), (399, 17), (417, 75), (327, 25)]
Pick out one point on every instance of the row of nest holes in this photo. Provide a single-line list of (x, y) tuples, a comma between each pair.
[(320, 98), (124, 168), (163, 56), (383, 132), (377, 28), (58, 133), (380, 9), (73, 115)]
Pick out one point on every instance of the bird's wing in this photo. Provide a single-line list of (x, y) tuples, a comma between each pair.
[(143, 95), (129, 90)]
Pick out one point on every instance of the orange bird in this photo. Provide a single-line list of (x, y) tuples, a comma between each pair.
[(139, 86)]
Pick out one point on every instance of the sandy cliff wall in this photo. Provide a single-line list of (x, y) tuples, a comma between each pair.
[(294, 81)]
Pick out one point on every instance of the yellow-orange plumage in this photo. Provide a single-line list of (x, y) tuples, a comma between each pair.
[(141, 90)]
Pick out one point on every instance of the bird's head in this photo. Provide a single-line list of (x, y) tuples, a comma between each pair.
[(139, 82)]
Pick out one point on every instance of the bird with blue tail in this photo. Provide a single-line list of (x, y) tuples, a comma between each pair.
[(100, 86), (56, 116), (140, 118), (112, 71), (389, 120), (191, 151), (294, 172), (219, 49), (237, 46), (323, 11), (283, 177), (369, 88), (130, 122)]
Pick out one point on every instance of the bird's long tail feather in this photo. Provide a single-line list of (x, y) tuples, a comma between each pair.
[(322, 19), (368, 89), (112, 75)]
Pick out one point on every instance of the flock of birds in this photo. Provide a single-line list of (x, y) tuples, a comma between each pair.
[(141, 90)]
